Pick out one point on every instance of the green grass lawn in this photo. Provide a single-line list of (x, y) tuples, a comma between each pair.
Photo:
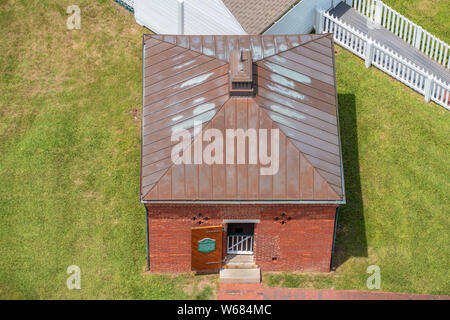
[(432, 15), (69, 167), (69, 156)]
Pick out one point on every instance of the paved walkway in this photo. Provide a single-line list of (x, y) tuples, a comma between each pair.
[(234, 291), (390, 40)]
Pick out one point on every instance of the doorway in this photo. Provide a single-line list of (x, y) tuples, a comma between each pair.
[(206, 248), (240, 238)]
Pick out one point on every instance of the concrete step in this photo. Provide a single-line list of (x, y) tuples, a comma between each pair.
[(252, 275), (240, 265), (240, 258)]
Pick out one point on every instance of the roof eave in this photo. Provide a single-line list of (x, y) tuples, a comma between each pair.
[(319, 202), (337, 119), (141, 196)]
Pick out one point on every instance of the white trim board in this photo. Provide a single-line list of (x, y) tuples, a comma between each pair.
[(241, 221)]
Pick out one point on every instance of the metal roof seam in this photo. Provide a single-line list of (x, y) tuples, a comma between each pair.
[(261, 65), (160, 38), (301, 112), (182, 62), (194, 100), (188, 89), (303, 132), (305, 121), (203, 126), (309, 112), (281, 54), (322, 92), (174, 55), (159, 49), (157, 130), (193, 54), (206, 72), (291, 88), (308, 134), (312, 54), (160, 160), (192, 107), (178, 82), (314, 49), (272, 93), (168, 55), (266, 64), (294, 55), (292, 138), (293, 47), (276, 124)]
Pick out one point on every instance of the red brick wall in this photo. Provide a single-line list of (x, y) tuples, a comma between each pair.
[(302, 242)]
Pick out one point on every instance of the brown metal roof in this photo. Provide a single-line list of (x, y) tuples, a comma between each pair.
[(255, 16), (186, 80)]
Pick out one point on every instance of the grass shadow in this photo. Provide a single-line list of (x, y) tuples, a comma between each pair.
[(351, 233)]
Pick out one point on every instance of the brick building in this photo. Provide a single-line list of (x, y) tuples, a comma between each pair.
[(271, 187)]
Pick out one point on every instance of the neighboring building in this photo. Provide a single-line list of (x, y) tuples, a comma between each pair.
[(200, 213), (255, 16), (238, 17), (196, 16)]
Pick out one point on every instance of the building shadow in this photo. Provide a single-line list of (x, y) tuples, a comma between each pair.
[(351, 233)]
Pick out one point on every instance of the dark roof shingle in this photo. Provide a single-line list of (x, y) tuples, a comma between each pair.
[(255, 16)]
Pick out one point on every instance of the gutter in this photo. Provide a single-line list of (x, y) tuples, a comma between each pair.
[(148, 241), (238, 202), (140, 167), (142, 120), (334, 238), (341, 156)]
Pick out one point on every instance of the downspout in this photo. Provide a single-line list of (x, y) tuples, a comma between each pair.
[(148, 241), (334, 238)]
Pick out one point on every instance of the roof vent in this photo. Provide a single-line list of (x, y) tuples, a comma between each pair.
[(241, 73)]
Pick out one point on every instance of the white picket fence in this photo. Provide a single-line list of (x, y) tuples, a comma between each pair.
[(385, 59), (415, 35)]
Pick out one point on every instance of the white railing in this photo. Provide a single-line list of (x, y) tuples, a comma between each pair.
[(385, 59), (405, 29), (240, 244), (440, 93), (344, 34), (128, 4)]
